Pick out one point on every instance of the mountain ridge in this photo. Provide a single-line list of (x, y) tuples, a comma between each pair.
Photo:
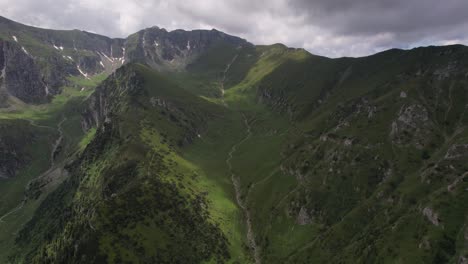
[(54, 55), (239, 153), (79, 58)]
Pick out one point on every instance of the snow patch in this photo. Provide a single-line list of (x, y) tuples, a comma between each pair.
[(61, 47), (112, 59), (15, 39), (25, 51), (67, 57), (57, 48), (188, 45), (107, 57), (82, 72), (156, 44)]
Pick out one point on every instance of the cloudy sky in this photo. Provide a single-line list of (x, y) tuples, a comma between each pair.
[(327, 27)]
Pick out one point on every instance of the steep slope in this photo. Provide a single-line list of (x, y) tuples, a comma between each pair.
[(130, 196), (36, 141), (212, 150), (174, 50), (370, 153), (36, 62)]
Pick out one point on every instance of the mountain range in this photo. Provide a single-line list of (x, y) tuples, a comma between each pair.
[(200, 147)]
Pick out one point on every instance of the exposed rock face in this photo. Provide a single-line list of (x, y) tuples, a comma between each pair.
[(450, 170), (425, 244), (20, 75), (457, 152), (275, 99), (174, 50), (128, 88), (463, 260), (303, 218), (106, 98), (35, 69), (10, 161), (13, 140), (411, 126), (432, 216)]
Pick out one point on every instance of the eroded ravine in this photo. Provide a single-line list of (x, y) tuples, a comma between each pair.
[(52, 165), (223, 78), (19, 207), (237, 188), (57, 142)]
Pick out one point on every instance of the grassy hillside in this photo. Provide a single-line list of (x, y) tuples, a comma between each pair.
[(250, 154), (41, 139)]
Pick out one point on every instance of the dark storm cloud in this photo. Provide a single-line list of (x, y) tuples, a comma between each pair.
[(326, 27), (374, 16), (408, 21)]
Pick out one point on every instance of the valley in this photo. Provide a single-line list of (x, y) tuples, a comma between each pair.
[(200, 147)]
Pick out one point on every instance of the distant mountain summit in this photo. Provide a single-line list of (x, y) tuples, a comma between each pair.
[(43, 59), (199, 147)]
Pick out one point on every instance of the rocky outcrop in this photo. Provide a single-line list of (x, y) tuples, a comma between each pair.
[(14, 139), (450, 169), (412, 126), (39, 61), (275, 99), (109, 96), (457, 151), (128, 88), (432, 216), (21, 76), (303, 218), (174, 50), (462, 260)]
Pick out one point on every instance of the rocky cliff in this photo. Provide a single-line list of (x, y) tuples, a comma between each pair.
[(21, 76), (40, 60)]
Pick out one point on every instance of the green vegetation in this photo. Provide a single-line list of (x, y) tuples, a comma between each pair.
[(250, 152), (31, 131)]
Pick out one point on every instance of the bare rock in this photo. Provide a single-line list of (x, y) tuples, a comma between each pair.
[(457, 151), (462, 260), (303, 218), (432, 216), (412, 126)]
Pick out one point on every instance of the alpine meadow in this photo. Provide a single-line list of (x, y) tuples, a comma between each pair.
[(175, 146)]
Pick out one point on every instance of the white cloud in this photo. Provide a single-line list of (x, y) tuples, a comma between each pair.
[(325, 27)]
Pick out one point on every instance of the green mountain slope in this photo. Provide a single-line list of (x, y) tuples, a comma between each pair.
[(35, 63), (204, 148)]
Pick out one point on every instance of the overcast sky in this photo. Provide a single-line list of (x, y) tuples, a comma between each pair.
[(326, 27)]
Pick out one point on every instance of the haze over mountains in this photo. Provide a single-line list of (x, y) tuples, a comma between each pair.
[(200, 147)]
